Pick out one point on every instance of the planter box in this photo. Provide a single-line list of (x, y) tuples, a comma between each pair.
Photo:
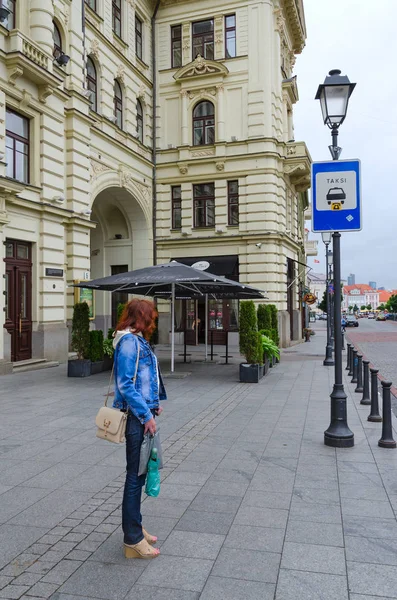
[(96, 367), (266, 366), (79, 368), (107, 363), (249, 373)]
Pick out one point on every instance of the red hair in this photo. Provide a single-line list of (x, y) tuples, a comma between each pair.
[(139, 315)]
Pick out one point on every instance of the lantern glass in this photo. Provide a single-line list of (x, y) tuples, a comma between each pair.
[(326, 236), (335, 103)]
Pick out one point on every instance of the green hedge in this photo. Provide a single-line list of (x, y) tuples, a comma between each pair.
[(81, 330), (96, 345), (250, 347)]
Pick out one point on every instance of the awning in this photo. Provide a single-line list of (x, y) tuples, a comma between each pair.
[(225, 266)]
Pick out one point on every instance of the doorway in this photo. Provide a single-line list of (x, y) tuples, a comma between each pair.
[(290, 294), (18, 298)]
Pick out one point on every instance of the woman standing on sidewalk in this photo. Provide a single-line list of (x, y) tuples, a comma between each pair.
[(138, 391)]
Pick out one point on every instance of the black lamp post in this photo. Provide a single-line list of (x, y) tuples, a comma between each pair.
[(334, 96), (328, 360)]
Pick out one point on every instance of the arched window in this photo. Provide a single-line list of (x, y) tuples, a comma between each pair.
[(56, 34), (118, 104), (92, 83), (203, 124), (139, 121)]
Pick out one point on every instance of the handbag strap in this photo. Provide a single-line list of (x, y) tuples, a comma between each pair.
[(112, 373)]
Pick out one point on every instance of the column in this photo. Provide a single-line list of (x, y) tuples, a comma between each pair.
[(220, 115), (41, 29), (184, 120)]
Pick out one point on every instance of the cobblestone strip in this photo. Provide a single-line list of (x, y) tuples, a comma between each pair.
[(45, 566)]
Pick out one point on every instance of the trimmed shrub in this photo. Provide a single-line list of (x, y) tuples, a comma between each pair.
[(261, 312), (249, 344), (120, 308), (96, 345), (81, 330), (274, 323)]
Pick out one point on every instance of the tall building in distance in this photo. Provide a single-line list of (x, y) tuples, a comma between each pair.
[(351, 279), (372, 284)]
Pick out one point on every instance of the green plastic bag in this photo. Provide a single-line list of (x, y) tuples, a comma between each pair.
[(153, 475)]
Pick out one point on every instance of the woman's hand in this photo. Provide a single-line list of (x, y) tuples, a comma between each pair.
[(150, 426), (159, 410)]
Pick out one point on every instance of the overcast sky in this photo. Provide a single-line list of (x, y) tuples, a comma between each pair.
[(359, 38)]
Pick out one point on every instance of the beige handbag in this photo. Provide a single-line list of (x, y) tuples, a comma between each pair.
[(111, 422)]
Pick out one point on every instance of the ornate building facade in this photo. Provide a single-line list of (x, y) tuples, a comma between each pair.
[(135, 132)]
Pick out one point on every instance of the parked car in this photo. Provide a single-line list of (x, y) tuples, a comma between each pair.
[(351, 321), (389, 316), (381, 317), (371, 316), (322, 318)]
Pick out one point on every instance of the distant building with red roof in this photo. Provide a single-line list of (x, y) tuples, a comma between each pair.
[(360, 294)]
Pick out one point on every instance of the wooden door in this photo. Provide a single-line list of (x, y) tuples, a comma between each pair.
[(18, 292)]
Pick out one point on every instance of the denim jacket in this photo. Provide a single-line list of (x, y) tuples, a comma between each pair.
[(148, 389)]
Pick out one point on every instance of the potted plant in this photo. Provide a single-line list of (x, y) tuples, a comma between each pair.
[(274, 327), (80, 367), (270, 350), (249, 343), (108, 351), (307, 332), (96, 351)]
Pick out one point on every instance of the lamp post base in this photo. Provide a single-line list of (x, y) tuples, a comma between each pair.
[(338, 434), (328, 360)]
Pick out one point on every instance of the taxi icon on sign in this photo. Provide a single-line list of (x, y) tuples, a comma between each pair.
[(336, 195)]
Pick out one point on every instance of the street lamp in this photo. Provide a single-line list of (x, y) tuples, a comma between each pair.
[(334, 96), (328, 360)]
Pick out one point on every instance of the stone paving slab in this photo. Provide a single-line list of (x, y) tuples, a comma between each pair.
[(253, 505)]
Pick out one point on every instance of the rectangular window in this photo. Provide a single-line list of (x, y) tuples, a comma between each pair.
[(204, 205), (138, 37), (116, 16), (230, 36), (176, 207), (17, 146), (9, 22), (203, 39), (91, 4), (176, 46), (232, 201)]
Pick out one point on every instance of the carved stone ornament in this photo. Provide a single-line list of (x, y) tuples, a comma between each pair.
[(220, 166), (120, 73), (44, 92), (280, 21), (15, 74), (142, 94), (183, 168), (199, 67), (202, 93), (26, 99), (291, 150), (94, 51), (132, 3), (202, 153), (125, 176), (98, 167)]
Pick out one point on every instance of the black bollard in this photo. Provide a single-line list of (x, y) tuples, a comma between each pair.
[(350, 373), (366, 399), (374, 415), (348, 357), (359, 388), (355, 366), (343, 341), (386, 441)]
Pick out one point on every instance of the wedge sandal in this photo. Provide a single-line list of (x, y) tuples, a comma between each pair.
[(151, 539), (140, 550)]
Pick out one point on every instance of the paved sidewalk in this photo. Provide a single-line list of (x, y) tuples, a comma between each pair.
[(253, 506)]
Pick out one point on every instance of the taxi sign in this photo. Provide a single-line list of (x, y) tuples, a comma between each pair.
[(336, 196)]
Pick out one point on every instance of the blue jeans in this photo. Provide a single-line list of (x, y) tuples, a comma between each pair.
[(131, 508)]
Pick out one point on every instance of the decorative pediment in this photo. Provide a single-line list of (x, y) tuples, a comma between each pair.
[(201, 67), (297, 165)]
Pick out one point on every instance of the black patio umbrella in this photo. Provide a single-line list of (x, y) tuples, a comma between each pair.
[(172, 281)]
